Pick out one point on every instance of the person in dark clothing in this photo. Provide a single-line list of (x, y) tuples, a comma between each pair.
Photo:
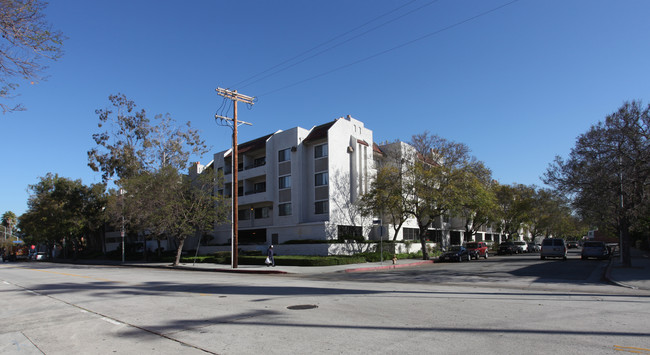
[(269, 254)]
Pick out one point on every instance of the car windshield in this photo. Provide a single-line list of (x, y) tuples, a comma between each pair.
[(547, 242), (520, 243), (454, 248)]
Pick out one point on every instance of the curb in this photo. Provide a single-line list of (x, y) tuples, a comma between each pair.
[(374, 268), (608, 277), (191, 268)]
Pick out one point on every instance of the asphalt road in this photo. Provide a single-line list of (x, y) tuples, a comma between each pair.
[(513, 271), (501, 305)]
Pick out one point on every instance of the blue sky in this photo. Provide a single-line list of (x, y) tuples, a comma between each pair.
[(516, 85)]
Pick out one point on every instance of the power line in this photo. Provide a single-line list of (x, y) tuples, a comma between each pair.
[(322, 44), (393, 48), (340, 43)]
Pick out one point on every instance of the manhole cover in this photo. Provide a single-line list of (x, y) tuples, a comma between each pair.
[(303, 306)]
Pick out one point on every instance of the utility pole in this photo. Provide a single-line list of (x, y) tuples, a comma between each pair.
[(235, 97)]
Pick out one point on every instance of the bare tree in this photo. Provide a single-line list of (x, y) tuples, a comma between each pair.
[(27, 42)]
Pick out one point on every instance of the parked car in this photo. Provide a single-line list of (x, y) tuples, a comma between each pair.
[(456, 253), (594, 249), (507, 248), (553, 247), (523, 246), (477, 249), (572, 245), (533, 248), (41, 256)]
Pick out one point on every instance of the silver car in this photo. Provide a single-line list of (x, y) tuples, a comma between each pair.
[(594, 249), (553, 248)]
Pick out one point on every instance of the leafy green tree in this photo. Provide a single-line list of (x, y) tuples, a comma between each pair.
[(62, 211), (386, 196), (434, 184), (607, 173), (131, 143), (147, 157), (27, 42), (515, 203), (477, 205)]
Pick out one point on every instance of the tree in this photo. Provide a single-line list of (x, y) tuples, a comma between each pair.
[(27, 42), (607, 173), (515, 203), (347, 209), (386, 197), (131, 143), (195, 207), (147, 158), (434, 182), (62, 211), (477, 205), (9, 222)]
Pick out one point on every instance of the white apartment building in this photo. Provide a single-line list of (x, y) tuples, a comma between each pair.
[(302, 184), (294, 184)]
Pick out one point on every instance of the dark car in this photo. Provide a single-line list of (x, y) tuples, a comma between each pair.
[(456, 253), (508, 248), (572, 245), (477, 249)]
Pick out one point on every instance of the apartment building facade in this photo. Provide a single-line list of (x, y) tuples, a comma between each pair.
[(304, 184), (286, 183)]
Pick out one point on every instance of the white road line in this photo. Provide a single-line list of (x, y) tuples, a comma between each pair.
[(111, 321)]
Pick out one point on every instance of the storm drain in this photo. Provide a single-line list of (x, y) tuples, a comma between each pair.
[(303, 306)]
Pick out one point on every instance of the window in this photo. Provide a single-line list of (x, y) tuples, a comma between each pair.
[(284, 182), (320, 151), (410, 234), (284, 209), (259, 187), (244, 215), (321, 207), (261, 212), (284, 155), (321, 179), (259, 161), (350, 232)]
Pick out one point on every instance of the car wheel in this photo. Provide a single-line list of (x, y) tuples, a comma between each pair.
[(486, 255)]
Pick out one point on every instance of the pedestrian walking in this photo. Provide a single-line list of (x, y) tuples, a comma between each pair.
[(270, 261)]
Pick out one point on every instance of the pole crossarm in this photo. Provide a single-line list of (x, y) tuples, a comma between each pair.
[(235, 96), (239, 122)]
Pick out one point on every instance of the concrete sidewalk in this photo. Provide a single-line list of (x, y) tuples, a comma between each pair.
[(258, 269), (282, 269), (637, 276)]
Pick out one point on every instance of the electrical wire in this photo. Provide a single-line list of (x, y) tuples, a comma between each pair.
[(456, 24), (341, 43), (324, 43)]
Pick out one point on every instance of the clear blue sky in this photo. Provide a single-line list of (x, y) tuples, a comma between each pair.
[(517, 85)]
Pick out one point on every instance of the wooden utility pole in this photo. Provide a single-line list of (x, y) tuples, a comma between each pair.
[(235, 97)]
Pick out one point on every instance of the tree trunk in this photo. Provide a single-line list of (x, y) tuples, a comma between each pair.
[(423, 244), (178, 252)]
